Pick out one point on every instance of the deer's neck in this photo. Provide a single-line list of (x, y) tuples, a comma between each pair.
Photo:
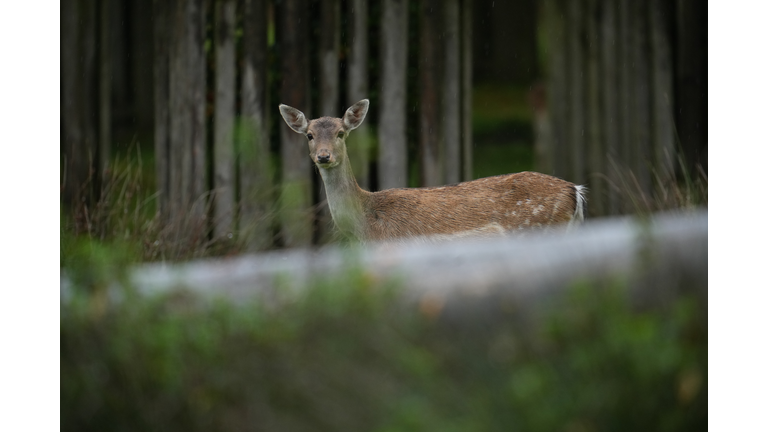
[(345, 199)]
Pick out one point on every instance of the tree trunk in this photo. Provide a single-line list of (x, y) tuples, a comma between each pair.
[(253, 139), (295, 205), (330, 37), (161, 14), (452, 93), (105, 85), (466, 89), (431, 142), (557, 86), (575, 144), (393, 142), (79, 102), (359, 143), (641, 158), (224, 120), (609, 55), (662, 92), (187, 116), (626, 106), (595, 152)]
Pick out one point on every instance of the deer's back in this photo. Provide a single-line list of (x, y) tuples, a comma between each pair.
[(491, 205)]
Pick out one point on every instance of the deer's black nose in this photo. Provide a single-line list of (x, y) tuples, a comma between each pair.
[(323, 158)]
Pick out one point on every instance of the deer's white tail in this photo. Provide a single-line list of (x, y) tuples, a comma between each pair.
[(581, 206)]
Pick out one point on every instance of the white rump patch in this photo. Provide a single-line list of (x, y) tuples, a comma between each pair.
[(581, 203)]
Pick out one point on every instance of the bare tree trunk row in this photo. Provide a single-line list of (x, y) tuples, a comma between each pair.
[(611, 91), (241, 157), (86, 102)]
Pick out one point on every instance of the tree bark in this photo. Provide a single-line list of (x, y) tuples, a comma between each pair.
[(431, 142), (662, 101), (295, 201), (105, 85), (466, 89), (256, 171), (557, 84), (330, 37), (609, 56), (359, 143), (575, 144), (224, 120), (393, 142), (452, 93), (595, 152), (187, 115), (641, 159), (626, 111), (79, 102), (161, 14)]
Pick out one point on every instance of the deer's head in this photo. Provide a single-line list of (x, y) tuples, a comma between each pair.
[(327, 135)]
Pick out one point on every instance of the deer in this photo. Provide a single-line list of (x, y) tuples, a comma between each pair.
[(492, 206)]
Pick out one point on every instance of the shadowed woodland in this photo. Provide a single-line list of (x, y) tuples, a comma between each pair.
[(175, 103)]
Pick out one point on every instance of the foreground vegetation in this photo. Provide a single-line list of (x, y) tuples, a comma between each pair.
[(348, 355)]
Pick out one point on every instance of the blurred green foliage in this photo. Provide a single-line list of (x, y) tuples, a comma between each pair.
[(349, 355)]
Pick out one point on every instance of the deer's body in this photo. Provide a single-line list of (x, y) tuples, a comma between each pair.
[(485, 207)]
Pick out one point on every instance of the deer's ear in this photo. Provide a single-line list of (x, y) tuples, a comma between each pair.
[(294, 118), (355, 115)]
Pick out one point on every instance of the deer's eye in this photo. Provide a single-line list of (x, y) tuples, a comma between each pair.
[(309, 137), (341, 135)]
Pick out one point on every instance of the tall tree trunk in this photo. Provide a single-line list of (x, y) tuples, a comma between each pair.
[(359, 143), (662, 91), (595, 151), (626, 111), (296, 201), (610, 112), (105, 84), (576, 148), (452, 93), (641, 159), (187, 116), (557, 84), (431, 142), (224, 120), (162, 20), (71, 140), (253, 139), (393, 142), (466, 89), (330, 37), (79, 101)]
